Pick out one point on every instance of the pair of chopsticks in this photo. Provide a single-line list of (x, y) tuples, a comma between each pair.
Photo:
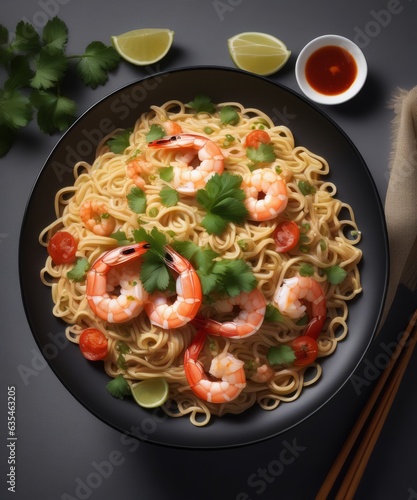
[(367, 426)]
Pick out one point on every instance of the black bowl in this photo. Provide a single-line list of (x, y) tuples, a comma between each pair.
[(311, 128)]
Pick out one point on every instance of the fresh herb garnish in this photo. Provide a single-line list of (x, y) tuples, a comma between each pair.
[(264, 153), (166, 173), (154, 273), (121, 238), (78, 272), (280, 355), (119, 142), (222, 277), (36, 67), (202, 103), (335, 274), (229, 115), (118, 387), (272, 314), (223, 200), (169, 196), (155, 132), (137, 200)]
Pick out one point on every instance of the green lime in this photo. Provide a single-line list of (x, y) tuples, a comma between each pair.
[(143, 46), (258, 53), (151, 393)]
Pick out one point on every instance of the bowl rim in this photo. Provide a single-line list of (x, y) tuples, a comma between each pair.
[(322, 41)]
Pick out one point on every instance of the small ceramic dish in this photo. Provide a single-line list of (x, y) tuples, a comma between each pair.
[(331, 69)]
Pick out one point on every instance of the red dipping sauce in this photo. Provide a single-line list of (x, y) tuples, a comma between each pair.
[(331, 70)]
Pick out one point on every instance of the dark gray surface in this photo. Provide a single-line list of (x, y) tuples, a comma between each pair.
[(65, 452)]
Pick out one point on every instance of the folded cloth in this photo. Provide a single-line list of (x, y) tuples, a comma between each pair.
[(400, 202)]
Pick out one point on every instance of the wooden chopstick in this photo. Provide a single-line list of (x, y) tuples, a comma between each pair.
[(372, 429)]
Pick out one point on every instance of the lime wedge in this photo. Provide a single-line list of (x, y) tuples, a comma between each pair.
[(151, 393), (258, 53), (143, 46)]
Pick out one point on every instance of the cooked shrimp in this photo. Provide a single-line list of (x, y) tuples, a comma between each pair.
[(246, 323), (172, 128), (226, 368), (96, 217), (188, 178), (100, 281), (263, 374), (137, 169), (266, 194), (290, 295), (167, 315)]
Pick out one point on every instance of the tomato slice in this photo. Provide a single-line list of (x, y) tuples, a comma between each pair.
[(305, 349), (62, 247), (93, 344), (286, 236), (257, 137)]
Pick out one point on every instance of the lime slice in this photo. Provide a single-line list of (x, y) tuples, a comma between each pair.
[(143, 46), (258, 53), (151, 393)]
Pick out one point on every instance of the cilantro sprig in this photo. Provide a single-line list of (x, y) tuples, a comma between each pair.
[(218, 276), (223, 200), (36, 66)]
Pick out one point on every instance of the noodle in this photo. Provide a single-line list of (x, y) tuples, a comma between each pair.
[(330, 238)]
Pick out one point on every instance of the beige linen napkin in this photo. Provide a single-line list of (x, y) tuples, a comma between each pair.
[(400, 202)]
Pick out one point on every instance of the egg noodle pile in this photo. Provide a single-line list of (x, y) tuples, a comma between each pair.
[(329, 237)]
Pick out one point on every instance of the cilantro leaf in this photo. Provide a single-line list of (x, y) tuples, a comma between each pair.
[(155, 238), (166, 173), (54, 112), (20, 73), (26, 38), (154, 275), (235, 276), (335, 274), (229, 115), (272, 314), (94, 65), (120, 141), (202, 103), (169, 196), (264, 153), (155, 132), (15, 109), (121, 238), (118, 387), (55, 34), (78, 272), (202, 258), (281, 355), (137, 200), (49, 69), (222, 198)]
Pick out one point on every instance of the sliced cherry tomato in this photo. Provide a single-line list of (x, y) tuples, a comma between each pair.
[(257, 137), (93, 344), (305, 349), (286, 236), (62, 247)]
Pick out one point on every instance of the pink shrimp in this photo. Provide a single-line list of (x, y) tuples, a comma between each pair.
[(96, 218), (266, 194), (167, 315), (187, 178), (111, 308), (246, 323), (136, 169), (289, 296), (226, 368), (172, 128)]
